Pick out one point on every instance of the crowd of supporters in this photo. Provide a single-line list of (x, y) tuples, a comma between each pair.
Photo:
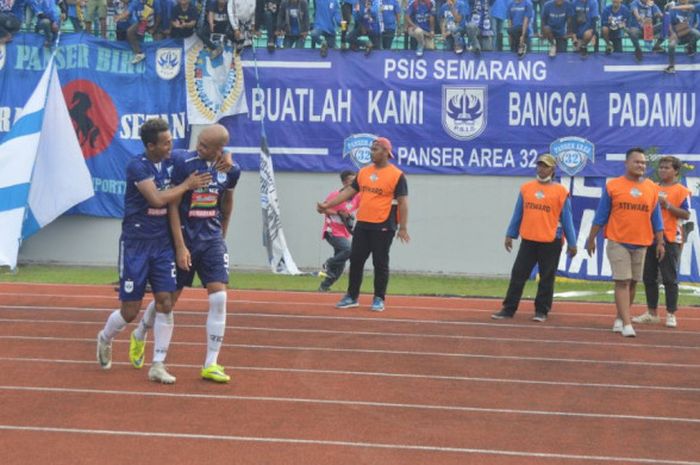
[(454, 25)]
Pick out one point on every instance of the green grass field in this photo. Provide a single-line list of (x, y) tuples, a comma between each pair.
[(400, 283)]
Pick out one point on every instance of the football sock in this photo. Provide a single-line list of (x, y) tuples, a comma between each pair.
[(216, 326), (162, 333), (115, 324), (147, 321)]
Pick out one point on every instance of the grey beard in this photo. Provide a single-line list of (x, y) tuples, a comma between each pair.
[(544, 180)]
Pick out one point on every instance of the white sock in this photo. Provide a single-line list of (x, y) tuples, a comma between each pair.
[(216, 326), (162, 333), (147, 321), (115, 324)]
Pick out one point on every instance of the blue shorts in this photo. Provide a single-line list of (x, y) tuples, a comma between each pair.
[(142, 261), (209, 260)]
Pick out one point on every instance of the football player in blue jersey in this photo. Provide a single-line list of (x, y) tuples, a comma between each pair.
[(145, 249), (199, 222)]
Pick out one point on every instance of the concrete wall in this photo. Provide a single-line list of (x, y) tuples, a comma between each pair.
[(457, 225)]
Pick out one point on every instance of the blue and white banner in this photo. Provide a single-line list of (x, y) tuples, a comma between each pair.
[(461, 115), (586, 194), (108, 99), (42, 170), (214, 86)]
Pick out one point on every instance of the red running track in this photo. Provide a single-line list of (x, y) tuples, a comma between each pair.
[(429, 381)]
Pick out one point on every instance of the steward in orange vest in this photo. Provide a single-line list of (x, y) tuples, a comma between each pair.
[(542, 213), (381, 215)]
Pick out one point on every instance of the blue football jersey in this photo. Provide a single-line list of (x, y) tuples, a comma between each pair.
[(200, 210), (142, 221)]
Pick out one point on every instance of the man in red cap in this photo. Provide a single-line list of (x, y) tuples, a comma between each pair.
[(382, 213)]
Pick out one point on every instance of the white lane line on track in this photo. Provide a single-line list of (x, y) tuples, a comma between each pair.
[(363, 445), (100, 323), (382, 352), (383, 375), (315, 303), (488, 324), (306, 293), (352, 403)]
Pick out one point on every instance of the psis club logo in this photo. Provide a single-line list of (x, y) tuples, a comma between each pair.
[(464, 111), (168, 62), (94, 115)]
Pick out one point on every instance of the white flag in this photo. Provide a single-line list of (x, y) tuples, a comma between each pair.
[(278, 254), (42, 169), (215, 88)]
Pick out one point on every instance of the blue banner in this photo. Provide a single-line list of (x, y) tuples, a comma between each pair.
[(461, 115), (108, 99), (585, 195)]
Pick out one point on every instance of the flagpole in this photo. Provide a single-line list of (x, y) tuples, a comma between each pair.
[(257, 86)]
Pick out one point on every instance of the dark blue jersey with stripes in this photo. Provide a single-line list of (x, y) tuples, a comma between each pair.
[(141, 220), (200, 210)]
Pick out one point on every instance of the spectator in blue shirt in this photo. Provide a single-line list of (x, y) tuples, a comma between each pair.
[(391, 16), (326, 21), (644, 12), (483, 22), (499, 14), (122, 19), (557, 24), (454, 15), (585, 19), (144, 17), (420, 24), (293, 22), (47, 20), (368, 21), (683, 29), (520, 15), (614, 20)]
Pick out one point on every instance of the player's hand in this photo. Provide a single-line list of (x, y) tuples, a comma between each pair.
[(321, 207), (660, 251), (572, 251), (590, 246), (183, 258), (508, 244), (223, 162), (403, 236), (664, 202), (197, 180)]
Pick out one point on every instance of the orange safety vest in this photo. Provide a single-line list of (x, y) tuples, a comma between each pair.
[(377, 186), (675, 194), (632, 204), (542, 206)]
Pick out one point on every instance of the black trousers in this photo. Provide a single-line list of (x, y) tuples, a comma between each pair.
[(668, 267), (365, 242), (544, 254)]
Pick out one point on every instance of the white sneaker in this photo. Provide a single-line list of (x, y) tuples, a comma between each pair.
[(138, 58), (104, 352), (160, 374), (617, 326), (628, 331), (552, 51), (671, 321), (646, 318)]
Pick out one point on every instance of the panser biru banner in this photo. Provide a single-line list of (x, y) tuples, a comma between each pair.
[(108, 99)]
